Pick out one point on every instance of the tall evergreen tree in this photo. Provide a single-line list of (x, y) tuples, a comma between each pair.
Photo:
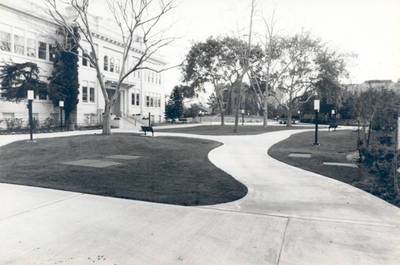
[(64, 82), (174, 107)]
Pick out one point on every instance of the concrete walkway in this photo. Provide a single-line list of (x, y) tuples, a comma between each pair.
[(290, 216)]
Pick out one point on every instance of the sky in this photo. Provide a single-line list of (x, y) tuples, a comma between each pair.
[(368, 31)]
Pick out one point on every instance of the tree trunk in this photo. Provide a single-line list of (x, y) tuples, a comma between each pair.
[(221, 111), (237, 105), (289, 117), (265, 113), (106, 119), (369, 134), (67, 122)]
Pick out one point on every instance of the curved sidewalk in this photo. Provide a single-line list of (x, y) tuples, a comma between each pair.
[(290, 216)]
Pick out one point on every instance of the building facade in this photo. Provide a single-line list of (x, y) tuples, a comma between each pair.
[(26, 35)]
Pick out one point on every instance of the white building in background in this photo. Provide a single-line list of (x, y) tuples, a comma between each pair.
[(26, 36)]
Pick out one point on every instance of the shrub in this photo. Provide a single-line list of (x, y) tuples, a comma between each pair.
[(14, 124), (50, 123)]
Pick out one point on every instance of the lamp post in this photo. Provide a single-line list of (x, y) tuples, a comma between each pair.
[(316, 108), (61, 105), (30, 96), (242, 112)]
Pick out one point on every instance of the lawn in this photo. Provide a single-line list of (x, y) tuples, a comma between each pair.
[(228, 129), (334, 146), (169, 170)]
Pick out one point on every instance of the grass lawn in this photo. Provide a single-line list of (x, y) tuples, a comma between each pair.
[(334, 146), (228, 129), (169, 170)]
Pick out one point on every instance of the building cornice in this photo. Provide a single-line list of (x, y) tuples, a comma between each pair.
[(120, 44), (95, 34), (26, 13)]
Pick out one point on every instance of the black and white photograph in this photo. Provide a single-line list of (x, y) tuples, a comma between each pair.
[(199, 132)]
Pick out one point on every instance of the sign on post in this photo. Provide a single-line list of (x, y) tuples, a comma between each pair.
[(316, 104), (31, 95)]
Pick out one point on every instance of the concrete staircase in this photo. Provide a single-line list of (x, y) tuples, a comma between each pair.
[(131, 123)]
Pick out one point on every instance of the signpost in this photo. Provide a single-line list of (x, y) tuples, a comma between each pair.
[(61, 105), (30, 96), (242, 111), (149, 119), (316, 108)]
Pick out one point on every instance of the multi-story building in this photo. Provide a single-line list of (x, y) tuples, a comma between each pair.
[(27, 35)]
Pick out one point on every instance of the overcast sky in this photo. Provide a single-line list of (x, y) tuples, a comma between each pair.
[(369, 29)]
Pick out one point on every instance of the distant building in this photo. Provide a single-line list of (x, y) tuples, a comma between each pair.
[(374, 84), (25, 36)]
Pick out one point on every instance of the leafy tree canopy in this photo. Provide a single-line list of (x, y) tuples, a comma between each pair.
[(18, 78)]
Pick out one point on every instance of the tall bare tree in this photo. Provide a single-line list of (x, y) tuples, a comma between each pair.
[(246, 65), (261, 79), (136, 20)]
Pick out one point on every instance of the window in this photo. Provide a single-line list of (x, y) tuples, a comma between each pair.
[(159, 102), (152, 77), (42, 50), (106, 63), (5, 41), (137, 99), (133, 99), (91, 94), (85, 59), (151, 102), (31, 48), (117, 66), (19, 44), (111, 64), (147, 101), (52, 53), (84, 94)]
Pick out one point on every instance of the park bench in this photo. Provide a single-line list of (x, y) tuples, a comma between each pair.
[(333, 126), (148, 129)]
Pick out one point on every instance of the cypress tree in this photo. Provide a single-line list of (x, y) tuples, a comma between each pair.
[(64, 82)]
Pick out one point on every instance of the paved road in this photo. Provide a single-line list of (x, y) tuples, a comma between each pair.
[(290, 216)]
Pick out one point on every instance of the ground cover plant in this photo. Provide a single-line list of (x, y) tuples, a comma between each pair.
[(334, 147), (228, 129), (170, 170)]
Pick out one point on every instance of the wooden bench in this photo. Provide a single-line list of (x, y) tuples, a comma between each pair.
[(332, 125), (147, 129)]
